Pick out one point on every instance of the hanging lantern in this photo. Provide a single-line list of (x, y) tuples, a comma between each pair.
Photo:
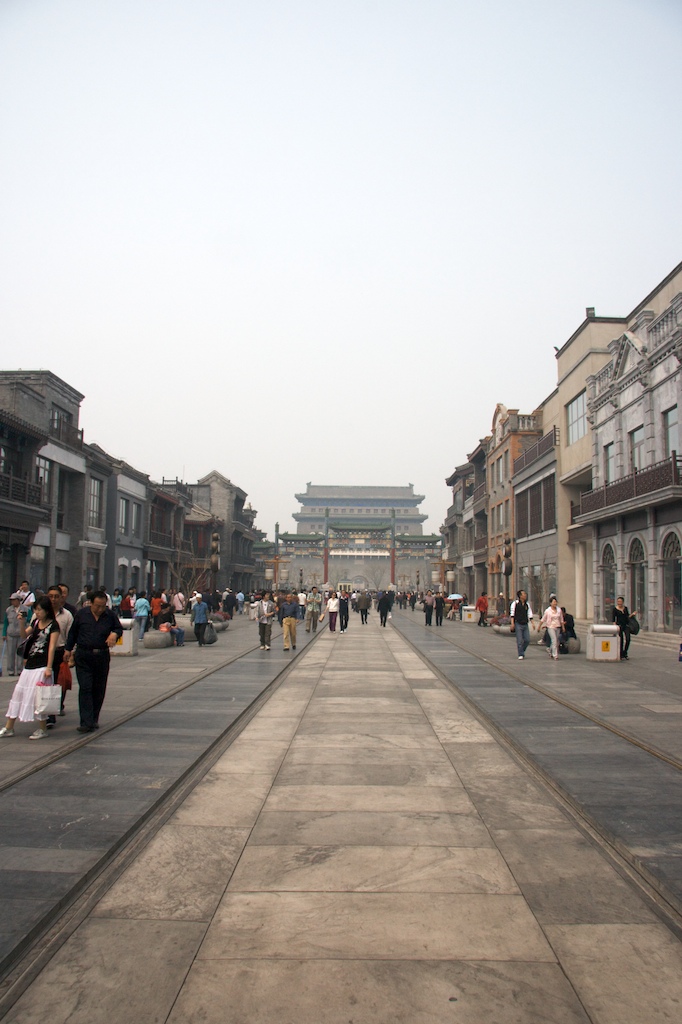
[(269, 574), (435, 577), (450, 576)]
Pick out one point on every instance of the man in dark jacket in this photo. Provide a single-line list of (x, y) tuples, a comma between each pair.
[(383, 607)]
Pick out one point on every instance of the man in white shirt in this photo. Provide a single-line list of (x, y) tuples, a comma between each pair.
[(521, 615)]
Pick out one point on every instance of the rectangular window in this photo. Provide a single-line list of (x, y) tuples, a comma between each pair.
[(576, 418), (637, 448), (137, 519), (609, 463), (58, 417), (535, 509), (670, 432), (506, 515), (548, 503), (522, 514), (95, 503), (43, 477), (92, 569), (123, 515), (506, 465)]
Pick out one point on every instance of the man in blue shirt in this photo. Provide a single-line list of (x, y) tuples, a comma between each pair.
[(200, 619), (289, 612)]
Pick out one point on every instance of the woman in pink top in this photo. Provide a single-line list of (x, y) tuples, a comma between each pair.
[(553, 620)]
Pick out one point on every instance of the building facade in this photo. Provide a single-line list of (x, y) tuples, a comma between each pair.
[(633, 510)]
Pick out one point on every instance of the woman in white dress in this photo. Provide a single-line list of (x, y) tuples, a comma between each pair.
[(39, 657)]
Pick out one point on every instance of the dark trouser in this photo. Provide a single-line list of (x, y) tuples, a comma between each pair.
[(522, 634), (343, 620), (383, 615), (199, 630), (481, 619), (439, 617), (93, 671), (624, 642), (264, 631), (332, 621), (428, 611), (363, 616)]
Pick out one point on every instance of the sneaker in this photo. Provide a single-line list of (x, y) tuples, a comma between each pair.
[(267, 647), (62, 713), (39, 734), (262, 647), (293, 647), (520, 657), (6, 732)]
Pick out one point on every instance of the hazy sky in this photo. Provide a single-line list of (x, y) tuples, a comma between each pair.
[(319, 240)]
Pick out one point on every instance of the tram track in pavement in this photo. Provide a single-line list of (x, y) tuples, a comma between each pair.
[(624, 790), (649, 748), (68, 747), (38, 940)]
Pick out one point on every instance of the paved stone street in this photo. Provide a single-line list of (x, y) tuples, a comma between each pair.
[(364, 851)]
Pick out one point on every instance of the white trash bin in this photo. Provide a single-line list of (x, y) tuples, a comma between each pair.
[(469, 613), (603, 642)]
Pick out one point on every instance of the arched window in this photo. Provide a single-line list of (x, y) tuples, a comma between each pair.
[(608, 561), (672, 583), (637, 602)]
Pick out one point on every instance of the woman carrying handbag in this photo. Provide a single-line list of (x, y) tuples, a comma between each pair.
[(38, 653)]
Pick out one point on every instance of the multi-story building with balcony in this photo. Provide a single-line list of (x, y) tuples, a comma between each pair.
[(474, 555), (632, 510), (73, 477), (24, 497), (235, 564), (458, 536), (512, 433)]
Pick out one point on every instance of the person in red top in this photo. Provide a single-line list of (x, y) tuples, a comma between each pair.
[(482, 608), (156, 602)]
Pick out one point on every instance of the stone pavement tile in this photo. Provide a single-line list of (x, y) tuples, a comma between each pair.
[(244, 757), (372, 869), (367, 775), (180, 875), (19, 917), (380, 992), (283, 709), (452, 799), (514, 803), (586, 900), (344, 754), (549, 855), (358, 828), (475, 760), (622, 973), (398, 740), (465, 730), (281, 728), (374, 705), (26, 858), (374, 926), (115, 971), (221, 799), (359, 724)]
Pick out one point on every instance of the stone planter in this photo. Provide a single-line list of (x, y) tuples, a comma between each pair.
[(155, 639), (503, 630)]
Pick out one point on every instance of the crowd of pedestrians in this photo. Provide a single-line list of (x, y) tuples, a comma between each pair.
[(45, 636)]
